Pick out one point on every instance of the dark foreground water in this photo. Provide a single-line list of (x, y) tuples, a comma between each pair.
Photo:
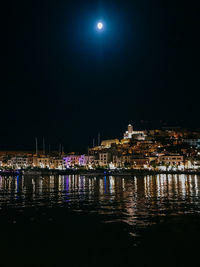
[(100, 221)]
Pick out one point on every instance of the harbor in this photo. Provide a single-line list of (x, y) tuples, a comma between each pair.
[(117, 218)]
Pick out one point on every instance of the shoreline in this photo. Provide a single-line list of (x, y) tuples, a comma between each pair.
[(103, 172)]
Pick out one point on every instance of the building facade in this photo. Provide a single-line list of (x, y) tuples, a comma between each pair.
[(130, 133)]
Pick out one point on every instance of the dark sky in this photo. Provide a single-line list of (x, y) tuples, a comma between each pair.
[(67, 81)]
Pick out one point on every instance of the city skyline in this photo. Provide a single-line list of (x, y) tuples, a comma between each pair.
[(168, 149)]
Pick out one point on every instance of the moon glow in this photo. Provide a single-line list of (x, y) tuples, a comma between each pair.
[(100, 25)]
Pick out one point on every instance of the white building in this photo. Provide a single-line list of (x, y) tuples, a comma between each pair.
[(19, 162), (139, 135)]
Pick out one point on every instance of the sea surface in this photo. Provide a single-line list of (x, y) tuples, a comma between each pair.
[(75, 220)]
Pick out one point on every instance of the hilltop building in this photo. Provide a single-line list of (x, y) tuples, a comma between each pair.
[(139, 135), (108, 143)]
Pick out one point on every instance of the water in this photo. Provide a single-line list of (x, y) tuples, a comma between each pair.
[(128, 216)]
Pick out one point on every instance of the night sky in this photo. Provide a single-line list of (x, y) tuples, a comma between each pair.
[(67, 81)]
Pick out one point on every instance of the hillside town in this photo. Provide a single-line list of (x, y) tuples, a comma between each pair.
[(162, 150)]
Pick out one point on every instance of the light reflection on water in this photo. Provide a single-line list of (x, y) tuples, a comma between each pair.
[(133, 200)]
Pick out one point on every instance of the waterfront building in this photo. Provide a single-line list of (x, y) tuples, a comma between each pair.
[(139, 162), (116, 160), (41, 161), (19, 162), (78, 160), (89, 160), (125, 159), (71, 160), (171, 159), (57, 163), (104, 158)]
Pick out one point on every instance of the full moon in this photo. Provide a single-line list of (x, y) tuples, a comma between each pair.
[(100, 25)]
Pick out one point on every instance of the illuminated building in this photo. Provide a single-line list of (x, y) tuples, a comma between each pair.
[(57, 163), (108, 143), (171, 159), (139, 135), (104, 158), (41, 161), (78, 160), (117, 161), (71, 160), (139, 162), (19, 162)]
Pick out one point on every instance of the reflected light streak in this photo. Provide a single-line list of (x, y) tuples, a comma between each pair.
[(112, 184), (131, 198)]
